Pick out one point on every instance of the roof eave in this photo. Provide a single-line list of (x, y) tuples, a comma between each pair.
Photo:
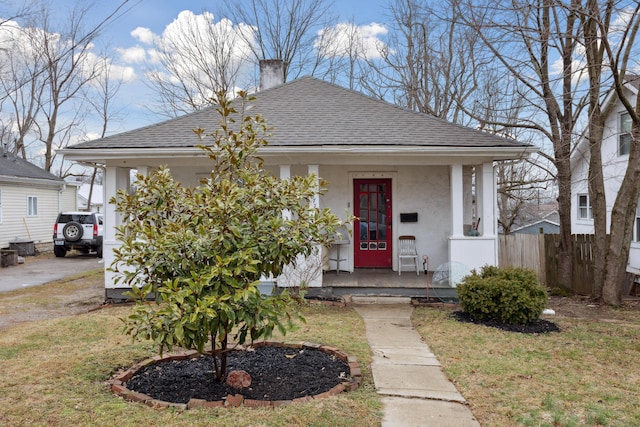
[(102, 155), (32, 181)]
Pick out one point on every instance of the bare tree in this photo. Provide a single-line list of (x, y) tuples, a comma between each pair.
[(282, 29), (100, 96), (342, 52), (431, 62), (45, 69), (22, 83), (535, 42), (610, 31), (196, 57), (521, 185)]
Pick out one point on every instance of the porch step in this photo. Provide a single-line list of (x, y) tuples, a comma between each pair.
[(394, 292), (359, 299)]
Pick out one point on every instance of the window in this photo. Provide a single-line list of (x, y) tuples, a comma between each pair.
[(32, 206), (584, 207), (638, 229), (0, 205), (624, 141)]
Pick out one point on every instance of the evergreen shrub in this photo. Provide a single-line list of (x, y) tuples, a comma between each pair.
[(507, 295)]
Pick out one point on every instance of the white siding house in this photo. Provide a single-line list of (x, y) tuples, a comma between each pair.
[(30, 199), (97, 198), (615, 156), (398, 171)]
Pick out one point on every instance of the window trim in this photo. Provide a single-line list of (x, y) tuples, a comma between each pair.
[(582, 207), (624, 136), (0, 205), (32, 206)]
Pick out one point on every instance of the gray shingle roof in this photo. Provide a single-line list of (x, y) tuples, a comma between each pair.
[(311, 112), (11, 166)]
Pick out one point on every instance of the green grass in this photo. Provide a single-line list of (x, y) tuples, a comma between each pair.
[(585, 375)]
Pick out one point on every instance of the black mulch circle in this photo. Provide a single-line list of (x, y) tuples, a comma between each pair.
[(278, 373), (539, 326)]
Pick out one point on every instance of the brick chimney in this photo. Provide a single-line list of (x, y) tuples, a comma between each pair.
[(271, 73)]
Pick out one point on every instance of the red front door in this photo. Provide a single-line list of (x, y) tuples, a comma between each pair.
[(372, 231)]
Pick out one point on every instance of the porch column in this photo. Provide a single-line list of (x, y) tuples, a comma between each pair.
[(115, 178), (313, 263), (311, 170), (486, 199), (285, 173), (457, 201)]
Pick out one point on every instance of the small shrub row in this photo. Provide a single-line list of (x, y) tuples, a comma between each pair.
[(508, 295)]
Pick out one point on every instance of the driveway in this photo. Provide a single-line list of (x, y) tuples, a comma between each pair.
[(46, 268)]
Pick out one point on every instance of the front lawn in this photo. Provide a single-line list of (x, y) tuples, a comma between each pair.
[(54, 373), (585, 375)]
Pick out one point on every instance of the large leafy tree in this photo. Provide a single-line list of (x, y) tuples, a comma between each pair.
[(202, 250)]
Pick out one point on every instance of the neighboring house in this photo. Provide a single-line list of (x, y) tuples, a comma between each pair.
[(539, 219), (615, 156), (405, 172), (97, 198), (30, 200), (543, 226)]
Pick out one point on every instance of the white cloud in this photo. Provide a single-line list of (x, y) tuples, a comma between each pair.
[(347, 39), (144, 35), (132, 55)]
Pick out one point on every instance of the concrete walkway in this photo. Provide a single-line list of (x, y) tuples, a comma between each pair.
[(38, 271), (407, 375)]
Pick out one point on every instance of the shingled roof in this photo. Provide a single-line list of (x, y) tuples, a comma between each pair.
[(12, 167), (309, 112)]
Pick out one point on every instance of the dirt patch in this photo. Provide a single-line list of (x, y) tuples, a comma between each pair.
[(52, 300), (584, 308)]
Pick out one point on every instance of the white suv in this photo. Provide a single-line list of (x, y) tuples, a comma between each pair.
[(78, 230)]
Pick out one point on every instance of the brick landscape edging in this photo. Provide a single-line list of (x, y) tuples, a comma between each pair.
[(117, 383)]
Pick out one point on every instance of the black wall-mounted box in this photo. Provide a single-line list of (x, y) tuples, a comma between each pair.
[(409, 217)]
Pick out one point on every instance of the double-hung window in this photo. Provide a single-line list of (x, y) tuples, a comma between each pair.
[(584, 207), (624, 139), (32, 206)]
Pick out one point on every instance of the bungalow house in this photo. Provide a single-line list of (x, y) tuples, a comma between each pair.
[(30, 200), (615, 156), (398, 171)]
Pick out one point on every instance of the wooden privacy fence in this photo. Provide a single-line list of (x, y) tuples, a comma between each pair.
[(539, 252)]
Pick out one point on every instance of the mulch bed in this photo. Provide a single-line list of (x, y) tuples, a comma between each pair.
[(280, 373), (539, 326)]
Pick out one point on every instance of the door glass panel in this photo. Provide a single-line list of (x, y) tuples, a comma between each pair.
[(373, 218)]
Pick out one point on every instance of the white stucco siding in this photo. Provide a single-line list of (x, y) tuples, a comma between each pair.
[(425, 190), (420, 189), (17, 223)]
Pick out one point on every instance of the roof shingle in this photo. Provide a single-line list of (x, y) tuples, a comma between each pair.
[(11, 166), (311, 112)]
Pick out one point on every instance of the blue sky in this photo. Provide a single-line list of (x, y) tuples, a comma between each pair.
[(155, 15)]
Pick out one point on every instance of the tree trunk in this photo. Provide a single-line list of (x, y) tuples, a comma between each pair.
[(598, 201), (622, 221), (565, 246)]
